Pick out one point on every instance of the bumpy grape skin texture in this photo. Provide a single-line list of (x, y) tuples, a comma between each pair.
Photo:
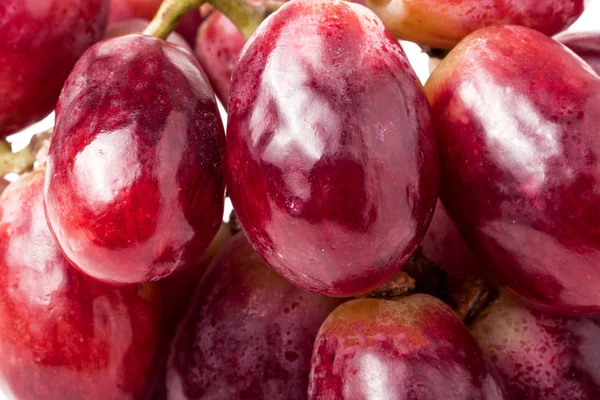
[(443, 23), (332, 165), (585, 45), (126, 9), (218, 46), (41, 41), (411, 348), (248, 334), (520, 165), (540, 356), (63, 335), (135, 186)]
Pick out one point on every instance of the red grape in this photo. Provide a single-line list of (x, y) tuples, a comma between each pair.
[(135, 186), (63, 335), (218, 45), (146, 9), (411, 348), (586, 46), (248, 334), (40, 44), (333, 168), (541, 357), (517, 117), (443, 23)]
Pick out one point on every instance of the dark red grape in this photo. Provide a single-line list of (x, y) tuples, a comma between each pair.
[(443, 23), (135, 186), (218, 45), (333, 169), (40, 44), (248, 334), (63, 335), (517, 117), (411, 348), (586, 46), (126, 9), (541, 357)]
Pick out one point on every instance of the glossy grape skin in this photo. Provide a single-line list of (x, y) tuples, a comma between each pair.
[(412, 348), (218, 46), (519, 166), (541, 357), (445, 246), (137, 25), (146, 9), (41, 41), (333, 170), (585, 45), (443, 23), (63, 335), (135, 186), (248, 334)]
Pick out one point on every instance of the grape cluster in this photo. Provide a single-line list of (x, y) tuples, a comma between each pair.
[(390, 240)]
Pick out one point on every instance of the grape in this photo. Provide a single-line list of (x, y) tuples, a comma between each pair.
[(248, 334), (135, 186), (443, 23), (333, 169), (517, 117), (39, 47), (411, 348), (540, 356), (218, 45), (586, 46), (63, 335)]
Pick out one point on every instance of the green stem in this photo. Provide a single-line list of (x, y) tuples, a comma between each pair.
[(14, 162), (245, 15), (168, 15)]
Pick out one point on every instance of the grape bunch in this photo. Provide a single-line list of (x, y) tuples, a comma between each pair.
[(389, 240)]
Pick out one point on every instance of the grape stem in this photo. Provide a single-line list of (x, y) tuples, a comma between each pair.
[(16, 163), (245, 15)]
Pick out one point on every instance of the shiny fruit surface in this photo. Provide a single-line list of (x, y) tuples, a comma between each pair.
[(540, 356), (585, 45), (411, 348), (63, 335), (40, 44), (218, 46), (137, 25), (520, 166), (444, 23), (135, 186), (146, 9), (445, 246), (333, 168), (248, 334)]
